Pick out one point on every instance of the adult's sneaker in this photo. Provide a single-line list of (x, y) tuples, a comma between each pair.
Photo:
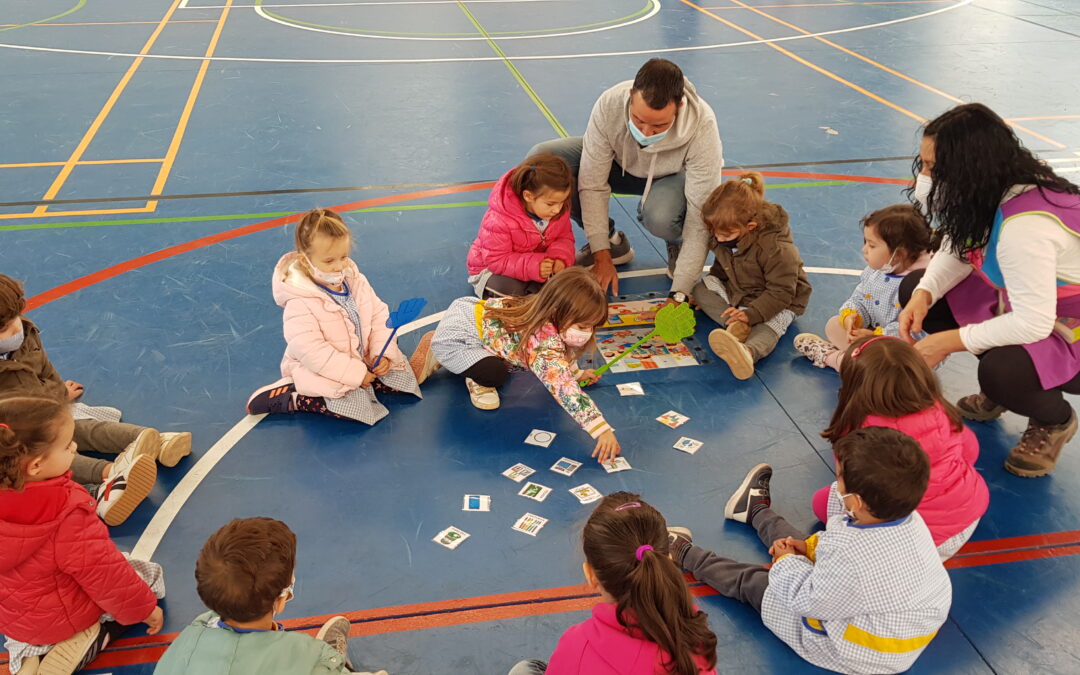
[(130, 480), (979, 408), (621, 253), (752, 495)]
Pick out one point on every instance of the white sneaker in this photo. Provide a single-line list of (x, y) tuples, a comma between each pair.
[(174, 447), (485, 398), (148, 443), (66, 656), (734, 353), (130, 481)]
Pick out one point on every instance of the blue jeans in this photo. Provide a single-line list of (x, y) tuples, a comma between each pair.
[(528, 668), (663, 212)]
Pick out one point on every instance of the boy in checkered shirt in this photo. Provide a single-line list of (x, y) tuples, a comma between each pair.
[(867, 594)]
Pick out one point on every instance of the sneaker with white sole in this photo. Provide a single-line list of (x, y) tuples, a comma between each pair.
[(485, 398), (752, 495), (335, 633), (130, 481), (175, 445), (423, 361), (66, 657), (814, 348), (621, 253), (734, 353), (148, 443)]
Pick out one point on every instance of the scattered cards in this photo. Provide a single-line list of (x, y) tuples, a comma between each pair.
[(673, 419), (565, 466), (535, 491), (540, 437), (617, 464), (687, 445), (586, 494), (530, 524), (476, 503), (518, 472), (630, 389), (451, 537)]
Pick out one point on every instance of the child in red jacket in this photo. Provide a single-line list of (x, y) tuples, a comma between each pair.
[(525, 236), (67, 590)]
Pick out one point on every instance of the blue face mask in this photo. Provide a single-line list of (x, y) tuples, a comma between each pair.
[(10, 344), (641, 138)]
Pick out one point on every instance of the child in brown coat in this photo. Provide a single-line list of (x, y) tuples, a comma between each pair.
[(757, 284)]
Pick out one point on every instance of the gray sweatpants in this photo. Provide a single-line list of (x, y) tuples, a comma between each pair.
[(762, 339), (746, 582), (108, 438)]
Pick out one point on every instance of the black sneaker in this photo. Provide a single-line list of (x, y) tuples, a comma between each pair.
[(679, 542), (274, 398), (752, 495), (621, 253)]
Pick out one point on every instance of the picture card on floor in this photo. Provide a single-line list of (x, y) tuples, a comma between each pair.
[(535, 491), (518, 472), (476, 503), (630, 389), (586, 493), (451, 537), (530, 524), (617, 464), (673, 419), (687, 445), (565, 466), (540, 437)]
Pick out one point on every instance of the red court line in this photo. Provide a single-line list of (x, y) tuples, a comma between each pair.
[(1011, 556), (1024, 542)]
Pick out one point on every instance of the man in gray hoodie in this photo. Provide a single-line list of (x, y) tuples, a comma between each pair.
[(655, 137)]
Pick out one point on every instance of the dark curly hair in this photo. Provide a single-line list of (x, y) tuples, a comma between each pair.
[(977, 158)]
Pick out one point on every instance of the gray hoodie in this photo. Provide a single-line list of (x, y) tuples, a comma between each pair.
[(692, 144)]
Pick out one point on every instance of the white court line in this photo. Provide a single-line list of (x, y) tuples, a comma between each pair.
[(477, 59), (155, 531), (184, 3), (500, 38)]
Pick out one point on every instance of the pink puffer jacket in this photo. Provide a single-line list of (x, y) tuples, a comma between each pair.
[(509, 243), (59, 570), (321, 355)]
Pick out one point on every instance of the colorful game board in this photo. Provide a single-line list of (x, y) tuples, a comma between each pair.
[(651, 355), (632, 313)]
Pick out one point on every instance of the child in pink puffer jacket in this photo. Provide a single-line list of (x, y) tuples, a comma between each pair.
[(525, 236), (335, 327)]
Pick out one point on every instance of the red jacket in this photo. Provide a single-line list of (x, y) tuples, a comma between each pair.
[(59, 571), (509, 243)]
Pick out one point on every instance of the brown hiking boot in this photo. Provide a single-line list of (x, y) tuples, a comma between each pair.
[(979, 407), (1037, 452)]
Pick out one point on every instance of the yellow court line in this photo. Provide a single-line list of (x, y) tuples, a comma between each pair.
[(92, 212), (839, 4), (101, 23), (189, 105), (887, 69), (73, 160), (808, 64), (82, 162)]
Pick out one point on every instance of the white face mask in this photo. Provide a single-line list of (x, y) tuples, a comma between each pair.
[(850, 513), (328, 278), (890, 266), (576, 338), (923, 184)]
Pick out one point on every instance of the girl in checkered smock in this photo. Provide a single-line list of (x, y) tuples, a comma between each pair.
[(896, 242), (335, 327), (545, 333)]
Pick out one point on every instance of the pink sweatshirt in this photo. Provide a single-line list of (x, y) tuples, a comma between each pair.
[(321, 355), (509, 242)]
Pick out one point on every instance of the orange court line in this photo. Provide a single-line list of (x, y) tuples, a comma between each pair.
[(104, 23), (838, 4), (887, 69), (77, 154), (189, 105), (82, 162), (1044, 117)]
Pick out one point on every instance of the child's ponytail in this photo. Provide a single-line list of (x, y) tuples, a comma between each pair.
[(27, 427), (626, 544), (319, 221)]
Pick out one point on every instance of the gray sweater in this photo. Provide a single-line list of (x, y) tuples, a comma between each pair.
[(692, 144)]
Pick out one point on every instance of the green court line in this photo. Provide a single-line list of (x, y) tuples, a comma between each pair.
[(78, 5), (361, 31), (517, 74), (279, 214)]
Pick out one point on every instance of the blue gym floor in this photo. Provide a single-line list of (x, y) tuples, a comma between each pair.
[(146, 192)]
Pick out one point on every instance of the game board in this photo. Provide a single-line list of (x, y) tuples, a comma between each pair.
[(652, 355), (632, 312)]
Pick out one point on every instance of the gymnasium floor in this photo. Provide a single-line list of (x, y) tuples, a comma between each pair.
[(153, 155)]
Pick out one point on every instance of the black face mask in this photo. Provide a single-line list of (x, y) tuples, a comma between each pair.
[(733, 244)]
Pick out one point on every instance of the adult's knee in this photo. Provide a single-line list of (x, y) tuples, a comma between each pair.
[(908, 285), (663, 216), (1007, 372), (568, 149)]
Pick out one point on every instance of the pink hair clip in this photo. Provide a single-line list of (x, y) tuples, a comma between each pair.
[(4, 425), (628, 505), (641, 551)]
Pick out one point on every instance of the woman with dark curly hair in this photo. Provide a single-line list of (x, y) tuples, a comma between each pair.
[(1009, 271)]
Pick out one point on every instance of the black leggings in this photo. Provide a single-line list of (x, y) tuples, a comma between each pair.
[(490, 371), (1006, 374)]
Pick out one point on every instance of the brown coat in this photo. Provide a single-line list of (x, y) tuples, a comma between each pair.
[(29, 372), (766, 273)]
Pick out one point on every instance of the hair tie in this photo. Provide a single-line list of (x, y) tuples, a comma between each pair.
[(5, 426), (641, 551), (747, 179), (628, 505), (860, 348)]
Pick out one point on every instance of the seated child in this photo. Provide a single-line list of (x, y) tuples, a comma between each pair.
[(25, 370), (545, 333), (896, 241), (865, 595), (646, 621), (525, 236), (757, 284), (335, 327), (245, 574), (67, 591), (884, 382)]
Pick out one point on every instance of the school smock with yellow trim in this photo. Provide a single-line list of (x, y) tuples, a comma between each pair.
[(876, 298), (465, 336), (868, 600)]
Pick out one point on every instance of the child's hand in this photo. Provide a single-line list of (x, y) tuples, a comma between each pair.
[(547, 267), (74, 389), (782, 547), (155, 621), (607, 447), (588, 377), (851, 321), (382, 368), (368, 379), (558, 266), (735, 314), (856, 333)]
